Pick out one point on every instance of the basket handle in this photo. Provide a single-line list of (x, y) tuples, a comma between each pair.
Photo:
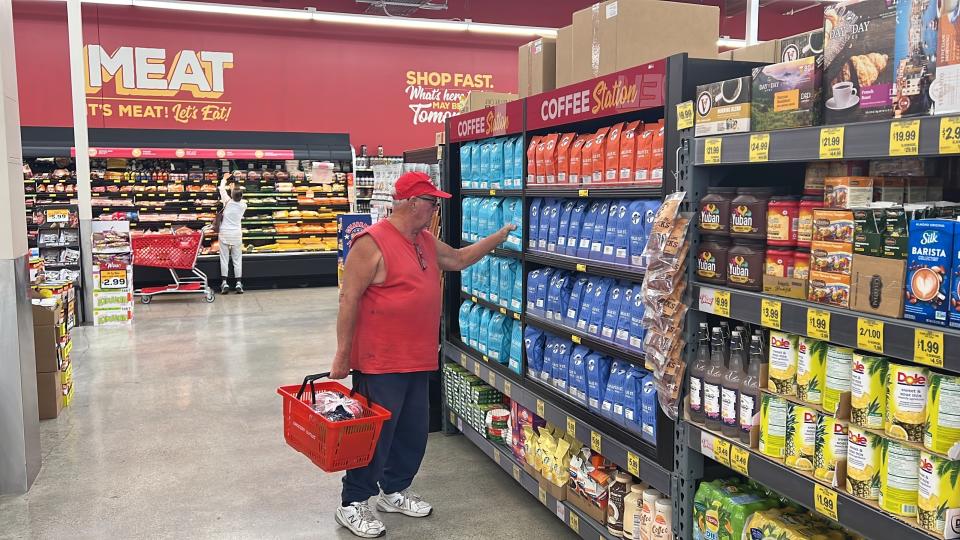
[(309, 379)]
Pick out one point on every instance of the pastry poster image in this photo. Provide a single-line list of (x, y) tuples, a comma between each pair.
[(858, 79)]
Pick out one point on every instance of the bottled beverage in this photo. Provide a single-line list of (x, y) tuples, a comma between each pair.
[(647, 513), (725, 330), (616, 503), (632, 506), (663, 520), (697, 371), (712, 382), (750, 388), (730, 388)]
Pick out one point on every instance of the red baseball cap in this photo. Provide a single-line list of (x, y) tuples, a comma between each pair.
[(415, 184)]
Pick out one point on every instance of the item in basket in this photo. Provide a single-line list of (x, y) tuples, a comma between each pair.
[(336, 406)]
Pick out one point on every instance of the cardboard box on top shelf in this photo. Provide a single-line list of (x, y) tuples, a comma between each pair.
[(537, 66), (585, 49), (765, 51), (477, 100), (800, 46), (49, 395), (564, 60), (877, 285), (725, 55)]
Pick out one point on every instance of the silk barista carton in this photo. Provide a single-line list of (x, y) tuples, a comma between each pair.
[(954, 316), (929, 264), (723, 107)]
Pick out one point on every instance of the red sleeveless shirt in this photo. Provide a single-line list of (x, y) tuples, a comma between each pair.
[(398, 323)]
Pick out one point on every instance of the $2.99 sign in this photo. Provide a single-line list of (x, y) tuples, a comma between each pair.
[(950, 135), (113, 279)]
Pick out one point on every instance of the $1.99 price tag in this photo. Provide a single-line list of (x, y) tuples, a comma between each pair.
[(818, 324), (825, 501), (928, 347)]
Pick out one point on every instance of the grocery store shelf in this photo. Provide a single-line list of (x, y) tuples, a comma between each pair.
[(74, 245), (588, 266), (864, 140), (899, 336), (583, 338), (500, 252), (596, 191), (491, 192), (627, 452), (490, 305), (584, 526), (857, 515)]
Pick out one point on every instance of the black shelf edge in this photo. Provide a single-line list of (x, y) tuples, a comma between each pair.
[(898, 334), (490, 305), (863, 140), (585, 527), (623, 454), (500, 252), (594, 191), (583, 338), (492, 192), (852, 512), (588, 266)]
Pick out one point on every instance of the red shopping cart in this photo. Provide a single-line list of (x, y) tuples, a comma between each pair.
[(173, 252), (332, 446)]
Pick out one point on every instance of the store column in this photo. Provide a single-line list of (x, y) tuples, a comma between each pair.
[(19, 418), (81, 142)]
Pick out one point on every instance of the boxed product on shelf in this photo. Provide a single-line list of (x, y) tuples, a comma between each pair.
[(847, 191), (564, 60), (877, 285), (859, 60), (786, 95), (915, 56), (476, 100), (799, 46), (590, 474), (929, 267), (721, 508), (537, 66), (723, 107), (945, 89)]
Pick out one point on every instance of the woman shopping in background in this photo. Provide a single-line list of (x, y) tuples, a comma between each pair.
[(230, 233)]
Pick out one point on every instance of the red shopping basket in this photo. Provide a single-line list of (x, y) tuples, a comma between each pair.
[(332, 446)]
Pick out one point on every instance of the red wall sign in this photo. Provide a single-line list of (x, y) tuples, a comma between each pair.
[(185, 153), (160, 69), (493, 121), (640, 87)]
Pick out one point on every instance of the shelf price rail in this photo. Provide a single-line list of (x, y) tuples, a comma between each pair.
[(574, 421)]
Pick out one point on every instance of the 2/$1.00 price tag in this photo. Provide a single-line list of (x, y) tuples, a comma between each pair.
[(870, 335)]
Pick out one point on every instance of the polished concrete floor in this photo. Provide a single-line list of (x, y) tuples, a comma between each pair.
[(175, 432)]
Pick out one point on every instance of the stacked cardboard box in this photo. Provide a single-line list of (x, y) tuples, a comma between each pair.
[(564, 60), (538, 66), (476, 100), (52, 346)]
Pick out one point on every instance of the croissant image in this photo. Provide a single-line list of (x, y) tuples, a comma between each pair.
[(867, 68)]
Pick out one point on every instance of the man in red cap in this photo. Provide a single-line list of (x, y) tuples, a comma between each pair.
[(388, 333)]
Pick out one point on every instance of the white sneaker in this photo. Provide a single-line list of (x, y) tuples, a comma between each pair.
[(406, 502), (360, 520)]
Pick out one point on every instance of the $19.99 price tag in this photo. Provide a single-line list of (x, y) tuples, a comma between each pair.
[(905, 138)]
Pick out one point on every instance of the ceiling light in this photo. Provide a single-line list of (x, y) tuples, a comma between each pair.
[(506, 29), (200, 7)]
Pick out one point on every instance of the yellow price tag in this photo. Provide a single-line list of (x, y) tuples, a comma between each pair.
[(540, 408), (575, 522), (740, 460), (496, 456), (950, 135), (476, 369), (770, 313), (870, 335), (542, 495), (831, 143), (818, 324), (712, 150), (684, 115), (596, 441), (581, 267), (493, 192), (825, 501), (928, 347), (485, 358), (473, 299), (113, 279), (453, 418), (516, 315), (905, 138), (571, 427), (633, 464), (575, 339), (516, 472), (58, 215), (507, 388), (503, 311), (721, 303), (721, 451), (759, 147), (493, 379), (463, 359), (583, 193)]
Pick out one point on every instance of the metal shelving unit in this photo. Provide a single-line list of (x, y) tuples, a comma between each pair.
[(597, 268)]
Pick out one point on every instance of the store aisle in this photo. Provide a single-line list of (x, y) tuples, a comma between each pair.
[(175, 433)]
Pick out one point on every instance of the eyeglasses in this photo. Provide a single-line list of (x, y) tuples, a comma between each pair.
[(423, 262), (431, 200)]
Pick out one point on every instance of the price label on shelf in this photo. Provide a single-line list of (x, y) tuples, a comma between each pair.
[(740, 460), (540, 408), (825, 501), (473, 299), (712, 150), (485, 359), (463, 359), (831, 143), (58, 215), (870, 335), (459, 424), (905, 138), (721, 303), (818, 324), (684, 115), (575, 522), (583, 193), (721, 451), (516, 315), (493, 192), (575, 339), (928, 347), (770, 311), (453, 418), (516, 472), (561, 511), (503, 311), (633, 464), (571, 427), (476, 369), (493, 379), (595, 442), (496, 456), (950, 135), (581, 267), (507, 388), (759, 147), (113, 279), (542, 495)]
